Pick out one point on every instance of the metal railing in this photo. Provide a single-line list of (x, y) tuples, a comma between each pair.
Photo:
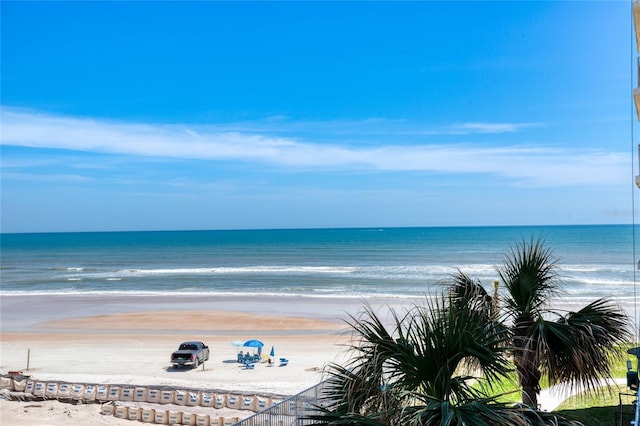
[(634, 351), (289, 412)]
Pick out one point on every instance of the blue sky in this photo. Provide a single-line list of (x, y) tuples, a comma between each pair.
[(241, 115)]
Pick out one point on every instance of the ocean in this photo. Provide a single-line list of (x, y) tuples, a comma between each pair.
[(594, 261)]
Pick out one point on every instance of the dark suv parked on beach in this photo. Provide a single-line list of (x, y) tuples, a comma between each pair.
[(190, 353)]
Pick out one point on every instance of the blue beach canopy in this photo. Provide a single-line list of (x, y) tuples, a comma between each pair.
[(253, 344)]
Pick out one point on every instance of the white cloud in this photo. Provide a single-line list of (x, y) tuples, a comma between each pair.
[(32, 177), (494, 128), (525, 165)]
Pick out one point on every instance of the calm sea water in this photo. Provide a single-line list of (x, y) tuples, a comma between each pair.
[(595, 261)]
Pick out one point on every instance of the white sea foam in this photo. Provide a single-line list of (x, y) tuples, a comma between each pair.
[(363, 271), (601, 281), (593, 268), (235, 270)]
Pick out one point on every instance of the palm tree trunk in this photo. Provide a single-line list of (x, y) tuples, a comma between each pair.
[(495, 301), (530, 382), (525, 358)]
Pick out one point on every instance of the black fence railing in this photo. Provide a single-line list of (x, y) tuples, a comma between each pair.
[(289, 412)]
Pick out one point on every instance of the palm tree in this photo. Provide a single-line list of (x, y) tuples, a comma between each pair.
[(573, 348), (422, 371)]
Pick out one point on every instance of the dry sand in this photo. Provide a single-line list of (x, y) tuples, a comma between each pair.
[(128, 340)]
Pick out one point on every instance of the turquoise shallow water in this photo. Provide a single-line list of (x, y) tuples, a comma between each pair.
[(595, 261)]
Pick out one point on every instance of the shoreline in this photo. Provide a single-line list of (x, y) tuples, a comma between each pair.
[(26, 312)]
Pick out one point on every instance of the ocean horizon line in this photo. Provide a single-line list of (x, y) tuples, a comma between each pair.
[(319, 228)]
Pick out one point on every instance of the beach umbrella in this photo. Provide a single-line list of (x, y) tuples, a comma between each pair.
[(273, 352), (253, 344)]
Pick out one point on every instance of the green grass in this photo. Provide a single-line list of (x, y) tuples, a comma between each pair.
[(601, 409), (508, 389), (619, 366)]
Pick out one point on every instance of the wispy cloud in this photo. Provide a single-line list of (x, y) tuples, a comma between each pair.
[(526, 165), (492, 128), (375, 126), (33, 177)]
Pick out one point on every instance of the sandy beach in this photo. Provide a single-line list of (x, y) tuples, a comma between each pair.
[(128, 340)]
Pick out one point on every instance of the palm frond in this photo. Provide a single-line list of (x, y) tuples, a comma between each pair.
[(577, 348), (400, 372), (356, 386), (535, 418), (464, 290), (530, 275)]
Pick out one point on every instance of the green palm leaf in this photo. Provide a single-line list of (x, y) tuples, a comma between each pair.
[(530, 275), (577, 348), (414, 371)]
